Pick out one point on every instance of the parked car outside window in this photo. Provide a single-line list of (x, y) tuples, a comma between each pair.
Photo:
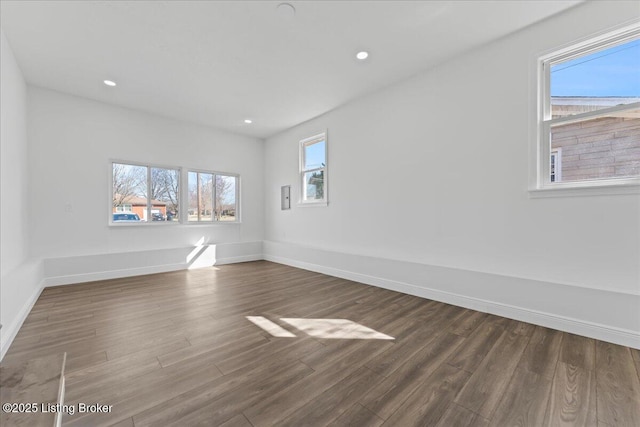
[(126, 217)]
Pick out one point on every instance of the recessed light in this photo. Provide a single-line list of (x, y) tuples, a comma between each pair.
[(110, 83), (286, 10), (362, 55), (248, 121)]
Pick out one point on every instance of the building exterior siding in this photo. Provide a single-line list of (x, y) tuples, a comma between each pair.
[(606, 147)]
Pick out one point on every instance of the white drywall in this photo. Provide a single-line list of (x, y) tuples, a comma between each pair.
[(21, 278), (72, 141), (55, 193), (434, 171), (427, 194)]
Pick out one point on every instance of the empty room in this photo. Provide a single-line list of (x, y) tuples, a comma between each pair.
[(320, 213)]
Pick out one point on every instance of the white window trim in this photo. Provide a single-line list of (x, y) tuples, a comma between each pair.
[(302, 171), (185, 203), (111, 223), (539, 182)]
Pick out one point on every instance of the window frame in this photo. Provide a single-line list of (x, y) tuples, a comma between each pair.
[(541, 184), (149, 207), (322, 136), (214, 174)]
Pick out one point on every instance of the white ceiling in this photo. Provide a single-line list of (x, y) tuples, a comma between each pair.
[(219, 62)]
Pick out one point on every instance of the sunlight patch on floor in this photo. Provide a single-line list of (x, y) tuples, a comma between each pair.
[(269, 326), (320, 328), (335, 329)]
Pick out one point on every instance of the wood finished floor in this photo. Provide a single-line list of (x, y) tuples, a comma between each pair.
[(177, 349)]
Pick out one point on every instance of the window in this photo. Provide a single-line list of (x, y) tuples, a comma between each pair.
[(225, 198), (590, 114), (146, 193), (213, 197), (313, 169)]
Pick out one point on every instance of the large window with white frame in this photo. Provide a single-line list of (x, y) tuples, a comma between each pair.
[(589, 128), (313, 170), (213, 196), (143, 193)]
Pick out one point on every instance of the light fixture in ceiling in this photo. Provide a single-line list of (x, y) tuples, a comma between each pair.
[(110, 83), (248, 121), (362, 55), (286, 10)]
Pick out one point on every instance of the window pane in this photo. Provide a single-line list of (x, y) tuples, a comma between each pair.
[(200, 196), (314, 185), (129, 191), (206, 197), (314, 155), (164, 194), (192, 183), (595, 81), (603, 147), (226, 208)]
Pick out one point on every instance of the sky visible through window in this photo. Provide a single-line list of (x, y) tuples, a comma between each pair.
[(314, 155), (612, 72)]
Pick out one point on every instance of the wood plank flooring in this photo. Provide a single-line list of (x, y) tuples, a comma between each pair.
[(178, 349)]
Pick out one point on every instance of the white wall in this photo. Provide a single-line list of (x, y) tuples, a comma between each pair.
[(14, 161), (427, 190), (71, 143), (434, 172), (21, 279)]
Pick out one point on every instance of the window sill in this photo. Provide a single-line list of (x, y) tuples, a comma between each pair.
[(145, 224), (312, 204), (171, 224), (213, 222), (588, 188)]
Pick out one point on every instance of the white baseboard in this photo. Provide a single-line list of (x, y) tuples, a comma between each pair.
[(130, 272), (89, 268), (112, 274), (237, 259), (295, 256), (9, 334)]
